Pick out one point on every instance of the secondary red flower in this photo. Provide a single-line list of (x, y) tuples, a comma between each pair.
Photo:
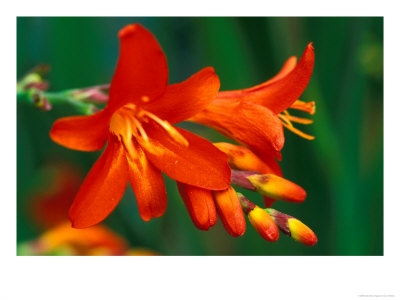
[(141, 142), (255, 116)]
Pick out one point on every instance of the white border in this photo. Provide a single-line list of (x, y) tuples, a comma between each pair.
[(197, 277)]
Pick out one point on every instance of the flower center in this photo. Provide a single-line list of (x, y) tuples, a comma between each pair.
[(127, 123)]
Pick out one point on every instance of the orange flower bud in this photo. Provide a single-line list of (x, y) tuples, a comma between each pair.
[(230, 211), (293, 227), (260, 219), (264, 224), (301, 232), (200, 205), (277, 187)]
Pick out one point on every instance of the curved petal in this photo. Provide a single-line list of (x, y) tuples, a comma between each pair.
[(200, 164), (148, 185), (279, 94), (200, 205), (247, 123), (85, 133), (103, 187), (142, 73), (230, 211), (287, 67), (183, 100)]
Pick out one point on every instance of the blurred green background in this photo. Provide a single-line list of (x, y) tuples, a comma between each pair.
[(341, 170)]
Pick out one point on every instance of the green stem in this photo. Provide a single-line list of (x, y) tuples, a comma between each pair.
[(33, 97)]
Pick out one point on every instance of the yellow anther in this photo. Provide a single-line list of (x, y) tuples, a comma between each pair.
[(304, 106), (286, 121)]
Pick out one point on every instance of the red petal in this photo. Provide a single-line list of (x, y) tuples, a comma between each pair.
[(103, 187), (85, 133), (200, 205), (230, 211), (288, 66), (183, 100), (148, 185), (247, 123), (200, 164), (141, 71), (279, 94)]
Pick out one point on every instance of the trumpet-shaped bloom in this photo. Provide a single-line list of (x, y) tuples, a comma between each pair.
[(141, 142), (255, 116)]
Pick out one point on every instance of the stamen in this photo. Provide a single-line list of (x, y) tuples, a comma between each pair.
[(141, 130), (298, 132), (127, 137), (173, 133), (297, 119), (286, 121), (304, 106)]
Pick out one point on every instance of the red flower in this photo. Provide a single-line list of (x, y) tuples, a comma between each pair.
[(141, 142), (254, 116)]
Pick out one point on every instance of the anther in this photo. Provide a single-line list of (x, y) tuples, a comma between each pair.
[(304, 106)]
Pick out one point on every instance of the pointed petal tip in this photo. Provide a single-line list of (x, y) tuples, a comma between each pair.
[(310, 46), (129, 29)]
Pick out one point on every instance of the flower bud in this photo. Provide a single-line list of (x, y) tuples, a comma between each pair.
[(293, 227), (200, 205), (277, 187), (230, 211), (260, 220), (264, 224), (301, 232)]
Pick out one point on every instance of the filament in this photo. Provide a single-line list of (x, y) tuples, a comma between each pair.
[(286, 121)]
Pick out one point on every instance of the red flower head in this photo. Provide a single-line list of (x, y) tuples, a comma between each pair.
[(255, 116), (141, 142)]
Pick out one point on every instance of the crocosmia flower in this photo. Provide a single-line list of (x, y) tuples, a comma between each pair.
[(141, 142), (255, 116)]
